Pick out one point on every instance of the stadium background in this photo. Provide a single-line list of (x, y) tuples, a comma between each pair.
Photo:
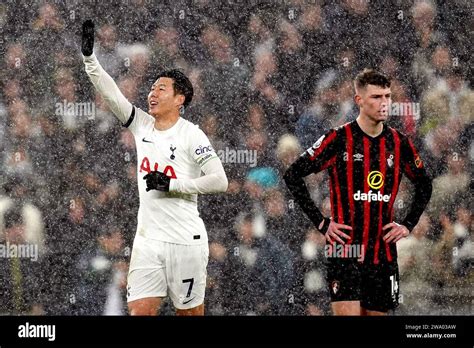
[(270, 77)]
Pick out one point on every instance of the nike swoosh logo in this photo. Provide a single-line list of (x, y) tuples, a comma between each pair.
[(185, 302), (147, 141)]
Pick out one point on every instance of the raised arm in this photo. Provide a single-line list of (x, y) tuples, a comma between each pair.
[(102, 81)]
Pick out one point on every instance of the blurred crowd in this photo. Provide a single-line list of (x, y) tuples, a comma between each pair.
[(270, 77)]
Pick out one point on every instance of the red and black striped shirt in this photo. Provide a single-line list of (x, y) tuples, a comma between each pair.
[(364, 174)]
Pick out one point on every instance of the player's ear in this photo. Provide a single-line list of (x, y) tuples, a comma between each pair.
[(357, 99), (179, 99)]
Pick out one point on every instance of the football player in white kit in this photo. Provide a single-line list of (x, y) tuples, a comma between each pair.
[(170, 250)]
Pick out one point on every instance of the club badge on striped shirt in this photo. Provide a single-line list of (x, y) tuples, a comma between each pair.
[(390, 161)]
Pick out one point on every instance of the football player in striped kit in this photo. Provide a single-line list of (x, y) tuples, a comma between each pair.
[(365, 160)]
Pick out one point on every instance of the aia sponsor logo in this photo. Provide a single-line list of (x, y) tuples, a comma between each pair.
[(145, 167)]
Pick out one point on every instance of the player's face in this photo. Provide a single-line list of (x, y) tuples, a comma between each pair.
[(162, 100), (374, 102)]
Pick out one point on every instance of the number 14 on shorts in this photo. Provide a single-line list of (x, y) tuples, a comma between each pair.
[(395, 289)]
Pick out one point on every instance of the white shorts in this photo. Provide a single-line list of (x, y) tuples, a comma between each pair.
[(158, 268)]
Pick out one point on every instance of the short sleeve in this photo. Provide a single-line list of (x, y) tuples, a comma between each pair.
[(138, 120)]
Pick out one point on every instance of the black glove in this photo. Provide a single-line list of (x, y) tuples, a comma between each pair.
[(87, 37), (157, 181)]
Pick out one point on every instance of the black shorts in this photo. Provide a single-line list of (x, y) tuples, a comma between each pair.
[(375, 286)]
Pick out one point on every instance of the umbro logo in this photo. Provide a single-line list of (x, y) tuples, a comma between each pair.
[(146, 141), (356, 156)]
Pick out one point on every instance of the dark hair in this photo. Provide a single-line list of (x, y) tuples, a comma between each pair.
[(371, 77), (181, 84)]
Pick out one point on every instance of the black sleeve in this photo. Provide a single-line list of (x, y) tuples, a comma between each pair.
[(415, 170), (315, 159)]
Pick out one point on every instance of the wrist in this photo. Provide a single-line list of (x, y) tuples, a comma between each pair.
[(409, 226), (88, 59), (324, 225), (172, 186)]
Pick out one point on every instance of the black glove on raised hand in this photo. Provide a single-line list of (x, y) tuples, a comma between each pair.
[(157, 181), (87, 37)]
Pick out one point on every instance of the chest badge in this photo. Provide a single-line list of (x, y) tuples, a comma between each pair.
[(390, 160), (172, 152)]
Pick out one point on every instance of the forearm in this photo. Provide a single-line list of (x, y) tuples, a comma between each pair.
[(423, 189), (210, 183), (214, 180), (107, 88), (298, 189)]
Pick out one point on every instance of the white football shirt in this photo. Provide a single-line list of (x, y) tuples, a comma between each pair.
[(179, 152)]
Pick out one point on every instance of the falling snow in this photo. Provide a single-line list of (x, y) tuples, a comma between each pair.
[(270, 78)]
